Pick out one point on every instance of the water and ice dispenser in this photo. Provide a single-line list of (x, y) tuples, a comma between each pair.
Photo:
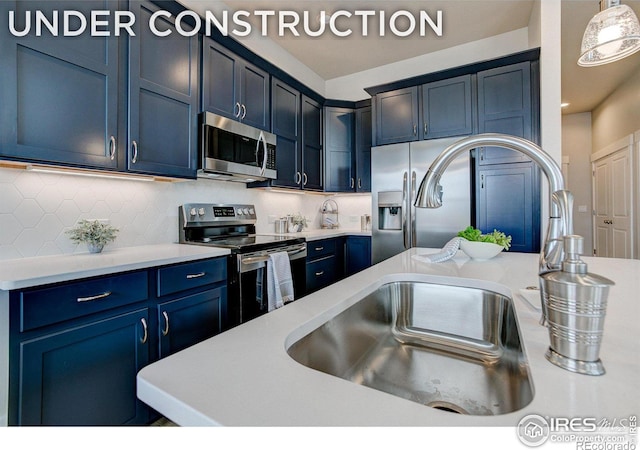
[(390, 210)]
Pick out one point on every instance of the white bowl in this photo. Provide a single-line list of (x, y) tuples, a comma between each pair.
[(480, 250)]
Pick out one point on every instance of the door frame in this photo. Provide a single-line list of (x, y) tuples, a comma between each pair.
[(629, 144)]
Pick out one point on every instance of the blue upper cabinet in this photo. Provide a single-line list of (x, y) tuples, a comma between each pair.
[(163, 99), (446, 108), (65, 99), (397, 116), (339, 149), (285, 121), (58, 95), (363, 149), (233, 87), (312, 152), (505, 106)]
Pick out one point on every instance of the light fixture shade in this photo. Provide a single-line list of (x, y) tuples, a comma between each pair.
[(611, 35)]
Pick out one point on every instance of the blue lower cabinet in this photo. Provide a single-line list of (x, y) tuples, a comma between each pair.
[(85, 375), (186, 321), (358, 254)]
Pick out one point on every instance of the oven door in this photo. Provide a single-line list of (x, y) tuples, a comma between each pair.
[(252, 279)]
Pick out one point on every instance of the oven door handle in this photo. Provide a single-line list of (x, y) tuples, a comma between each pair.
[(264, 258)]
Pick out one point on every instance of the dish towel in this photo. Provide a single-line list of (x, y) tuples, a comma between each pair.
[(279, 280), (448, 251)]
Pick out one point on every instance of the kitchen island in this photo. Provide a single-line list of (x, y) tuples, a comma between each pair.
[(244, 377)]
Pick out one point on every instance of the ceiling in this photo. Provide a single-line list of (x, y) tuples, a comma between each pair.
[(331, 57)]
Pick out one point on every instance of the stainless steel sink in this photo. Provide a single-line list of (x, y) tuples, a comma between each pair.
[(453, 348)]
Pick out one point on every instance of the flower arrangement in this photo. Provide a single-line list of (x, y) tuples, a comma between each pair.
[(94, 233), (299, 221)]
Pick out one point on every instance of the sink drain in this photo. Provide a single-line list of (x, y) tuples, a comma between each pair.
[(447, 406)]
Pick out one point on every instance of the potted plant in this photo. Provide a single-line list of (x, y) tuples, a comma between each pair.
[(299, 222), (94, 233)]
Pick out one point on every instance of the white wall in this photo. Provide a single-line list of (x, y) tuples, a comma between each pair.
[(576, 146), (351, 87), (36, 209)]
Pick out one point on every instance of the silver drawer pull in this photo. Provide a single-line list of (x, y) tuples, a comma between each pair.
[(146, 331), (319, 248), (196, 275), (320, 273), (93, 297), (165, 331)]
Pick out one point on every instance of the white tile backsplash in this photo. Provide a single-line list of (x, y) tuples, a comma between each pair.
[(37, 208)]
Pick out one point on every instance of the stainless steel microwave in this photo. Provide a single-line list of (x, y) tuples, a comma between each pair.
[(231, 150)]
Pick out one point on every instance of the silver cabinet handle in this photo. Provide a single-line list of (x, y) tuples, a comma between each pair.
[(415, 130), (352, 183), (359, 183), (237, 114), (319, 248), (304, 178), (320, 273), (426, 128), (165, 331), (93, 297), (146, 331), (298, 178), (191, 276), (112, 148), (134, 148), (244, 111)]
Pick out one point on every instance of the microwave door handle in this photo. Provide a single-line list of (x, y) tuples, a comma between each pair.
[(262, 139)]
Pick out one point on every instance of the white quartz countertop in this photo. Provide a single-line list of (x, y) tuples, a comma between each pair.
[(36, 271), (244, 377)]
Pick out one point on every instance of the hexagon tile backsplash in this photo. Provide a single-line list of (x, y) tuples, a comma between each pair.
[(37, 208)]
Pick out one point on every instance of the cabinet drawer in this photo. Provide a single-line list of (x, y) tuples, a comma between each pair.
[(321, 273), (191, 275), (317, 249), (46, 306)]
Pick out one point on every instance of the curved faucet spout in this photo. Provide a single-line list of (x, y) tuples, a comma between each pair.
[(561, 204)]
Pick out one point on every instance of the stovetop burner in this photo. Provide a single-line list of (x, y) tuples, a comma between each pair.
[(227, 226)]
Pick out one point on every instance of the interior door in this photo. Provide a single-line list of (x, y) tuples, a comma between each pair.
[(613, 216)]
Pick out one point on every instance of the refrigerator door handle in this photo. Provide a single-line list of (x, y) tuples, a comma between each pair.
[(414, 238), (405, 204)]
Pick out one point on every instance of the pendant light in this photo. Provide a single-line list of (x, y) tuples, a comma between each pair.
[(612, 34)]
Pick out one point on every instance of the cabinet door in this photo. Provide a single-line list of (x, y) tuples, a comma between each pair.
[(509, 200), (163, 98), (189, 320), (339, 149), (85, 375), (504, 106), (397, 116), (221, 87), (363, 149), (446, 108), (312, 156), (59, 95), (254, 84), (358, 254), (321, 273), (285, 121)]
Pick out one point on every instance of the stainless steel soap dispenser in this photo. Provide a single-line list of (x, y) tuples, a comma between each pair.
[(575, 308)]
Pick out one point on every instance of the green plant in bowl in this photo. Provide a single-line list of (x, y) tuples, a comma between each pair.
[(94, 233), (475, 235)]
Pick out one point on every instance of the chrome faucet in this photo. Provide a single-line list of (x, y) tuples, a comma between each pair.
[(561, 202)]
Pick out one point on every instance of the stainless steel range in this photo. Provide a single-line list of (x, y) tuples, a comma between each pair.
[(233, 226)]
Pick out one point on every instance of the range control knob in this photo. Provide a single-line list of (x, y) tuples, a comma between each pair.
[(239, 211), (246, 210), (201, 212), (251, 211), (192, 212)]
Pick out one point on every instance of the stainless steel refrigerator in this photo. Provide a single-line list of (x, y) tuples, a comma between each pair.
[(396, 173)]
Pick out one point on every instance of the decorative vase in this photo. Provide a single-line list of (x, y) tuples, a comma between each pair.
[(94, 248)]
